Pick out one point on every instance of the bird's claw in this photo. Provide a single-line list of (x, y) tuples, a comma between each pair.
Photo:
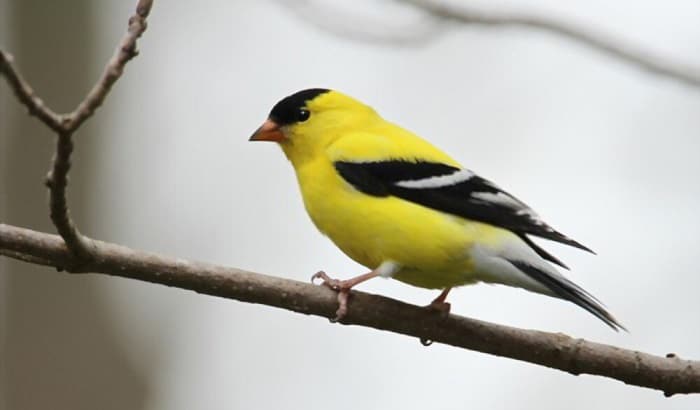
[(342, 305), (342, 308), (319, 275), (339, 286), (327, 281)]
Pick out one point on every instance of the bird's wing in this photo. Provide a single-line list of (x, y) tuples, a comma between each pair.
[(453, 190)]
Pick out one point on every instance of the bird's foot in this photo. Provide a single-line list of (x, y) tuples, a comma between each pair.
[(341, 286), (439, 305), (443, 308), (327, 281)]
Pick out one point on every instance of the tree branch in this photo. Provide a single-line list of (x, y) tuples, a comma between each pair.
[(344, 24), (65, 125), (126, 50), (57, 182), (671, 375), (601, 42), (26, 95)]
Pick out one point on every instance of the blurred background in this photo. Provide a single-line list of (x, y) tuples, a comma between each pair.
[(605, 152)]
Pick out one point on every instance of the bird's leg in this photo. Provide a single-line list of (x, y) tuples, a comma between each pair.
[(439, 303), (343, 288)]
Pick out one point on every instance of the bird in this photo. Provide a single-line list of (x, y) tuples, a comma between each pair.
[(401, 207)]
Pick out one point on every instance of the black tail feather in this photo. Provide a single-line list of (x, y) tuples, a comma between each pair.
[(568, 290), (543, 253), (561, 238)]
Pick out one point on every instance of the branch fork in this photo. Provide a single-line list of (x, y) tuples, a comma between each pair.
[(65, 126)]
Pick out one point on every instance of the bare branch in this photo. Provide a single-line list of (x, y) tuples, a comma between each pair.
[(126, 50), (57, 182), (25, 94), (576, 356), (66, 125), (602, 42), (327, 16)]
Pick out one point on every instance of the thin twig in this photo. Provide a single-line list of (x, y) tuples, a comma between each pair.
[(602, 42), (340, 23), (671, 375), (57, 181), (66, 125), (126, 50), (26, 95)]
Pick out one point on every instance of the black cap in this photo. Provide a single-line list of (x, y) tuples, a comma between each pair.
[(285, 112)]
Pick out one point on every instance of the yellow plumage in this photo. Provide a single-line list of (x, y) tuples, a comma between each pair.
[(430, 246), (411, 227)]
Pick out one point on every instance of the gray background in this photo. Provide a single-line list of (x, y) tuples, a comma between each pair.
[(604, 152)]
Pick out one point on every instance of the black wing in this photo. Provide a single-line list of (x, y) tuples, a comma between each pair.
[(453, 190)]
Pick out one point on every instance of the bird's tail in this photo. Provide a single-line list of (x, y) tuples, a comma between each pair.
[(563, 288)]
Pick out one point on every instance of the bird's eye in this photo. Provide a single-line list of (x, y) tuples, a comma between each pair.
[(303, 115)]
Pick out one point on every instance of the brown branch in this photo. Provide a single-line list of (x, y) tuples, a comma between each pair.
[(69, 123), (26, 95), (341, 23), (57, 182), (671, 375), (66, 125), (601, 42), (126, 50)]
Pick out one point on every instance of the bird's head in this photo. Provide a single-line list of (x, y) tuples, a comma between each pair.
[(308, 121)]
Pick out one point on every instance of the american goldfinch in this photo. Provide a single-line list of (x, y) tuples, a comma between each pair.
[(404, 209)]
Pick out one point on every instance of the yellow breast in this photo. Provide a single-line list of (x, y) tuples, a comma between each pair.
[(432, 247)]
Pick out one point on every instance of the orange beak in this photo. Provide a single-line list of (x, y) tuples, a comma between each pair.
[(268, 131)]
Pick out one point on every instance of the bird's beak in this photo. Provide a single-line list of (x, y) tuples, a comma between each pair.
[(268, 131)]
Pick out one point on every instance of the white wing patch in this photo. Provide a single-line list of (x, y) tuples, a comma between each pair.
[(499, 198), (503, 199), (534, 218), (454, 178)]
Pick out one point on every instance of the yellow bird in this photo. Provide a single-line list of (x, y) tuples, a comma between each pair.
[(404, 209)]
